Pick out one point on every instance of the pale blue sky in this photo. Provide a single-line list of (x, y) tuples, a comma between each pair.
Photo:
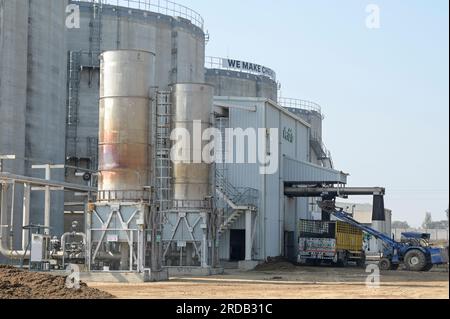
[(384, 92)]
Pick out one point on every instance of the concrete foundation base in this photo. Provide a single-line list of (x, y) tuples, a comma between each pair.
[(124, 277), (153, 276), (248, 264), (193, 271), (112, 277)]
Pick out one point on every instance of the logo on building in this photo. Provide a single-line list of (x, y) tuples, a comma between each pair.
[(288, 135), (249, 67)]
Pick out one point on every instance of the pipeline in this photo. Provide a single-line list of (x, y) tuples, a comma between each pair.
[(7, 178)]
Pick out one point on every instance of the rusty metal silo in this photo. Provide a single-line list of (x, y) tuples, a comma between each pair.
[(125, 123)]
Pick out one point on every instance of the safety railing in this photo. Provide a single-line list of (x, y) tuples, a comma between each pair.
[(299, 104), (165, 7), (247, 197), (190, 204), (240, 196), (316, 139), (129, 195)]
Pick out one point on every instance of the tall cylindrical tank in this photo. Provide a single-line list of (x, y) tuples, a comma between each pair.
[(33, 97), (191, 103), (126, 77), (179, 45)]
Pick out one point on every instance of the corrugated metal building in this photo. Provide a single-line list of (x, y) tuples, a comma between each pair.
[(274, 223)]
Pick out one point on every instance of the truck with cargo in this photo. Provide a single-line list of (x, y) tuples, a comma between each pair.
[(333, 242), (413, 251)]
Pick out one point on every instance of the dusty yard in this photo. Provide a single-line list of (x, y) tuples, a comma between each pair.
[(291, 283)]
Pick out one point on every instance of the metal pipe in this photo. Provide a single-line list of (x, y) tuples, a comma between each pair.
[(26, 214), (3, 211), (63, 242), (4, 250), (42, 182), (29, 181), (248, 235), (47, 202), (332, 191)]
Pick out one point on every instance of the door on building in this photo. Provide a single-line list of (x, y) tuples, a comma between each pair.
[(289, 245), (237, 244)]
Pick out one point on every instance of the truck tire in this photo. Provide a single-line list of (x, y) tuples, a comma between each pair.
[(385, 264), (428, 267), (395, 266), (415, 260), (343, 260), (361, 262)]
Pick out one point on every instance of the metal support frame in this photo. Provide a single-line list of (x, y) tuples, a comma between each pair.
[(197, 234), (47, 190), (131, 228)]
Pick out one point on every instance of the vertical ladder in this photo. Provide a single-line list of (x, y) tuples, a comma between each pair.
[(73, 103), (95, 38), (92, 152), (163, 163), (174, 71)]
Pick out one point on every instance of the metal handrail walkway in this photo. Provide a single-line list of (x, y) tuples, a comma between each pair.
[(165, 7)]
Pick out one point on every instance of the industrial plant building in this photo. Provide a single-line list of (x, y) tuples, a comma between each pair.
[(86, 115)]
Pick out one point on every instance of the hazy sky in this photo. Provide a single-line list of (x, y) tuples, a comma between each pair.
[(384, 92)]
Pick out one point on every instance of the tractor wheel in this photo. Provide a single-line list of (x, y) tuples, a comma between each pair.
[(361, 262), (395, 266), (428, 267), (415, 260), (385, 264), (343, 260)]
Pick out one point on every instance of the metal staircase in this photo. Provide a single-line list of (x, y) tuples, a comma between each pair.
[(235, 201), (232, 201)]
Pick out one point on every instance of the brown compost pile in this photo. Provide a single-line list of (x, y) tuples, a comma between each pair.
[(21, 284)]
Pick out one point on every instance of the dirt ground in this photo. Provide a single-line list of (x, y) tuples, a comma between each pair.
[(291, 282), (19, 284)]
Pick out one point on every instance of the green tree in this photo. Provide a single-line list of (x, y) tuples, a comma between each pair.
[(427, 221), (400, 224)]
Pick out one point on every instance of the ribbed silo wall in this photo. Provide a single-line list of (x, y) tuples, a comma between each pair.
[(13, 81), (233, 83), (32, 98), (46, 100), (13, 89)]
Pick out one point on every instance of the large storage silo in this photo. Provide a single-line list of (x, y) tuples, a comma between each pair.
[(173, 32), (239, 78), (311, 113), (126, 78), (32, 96), (192, 103), (186, 224), (125, 117)]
